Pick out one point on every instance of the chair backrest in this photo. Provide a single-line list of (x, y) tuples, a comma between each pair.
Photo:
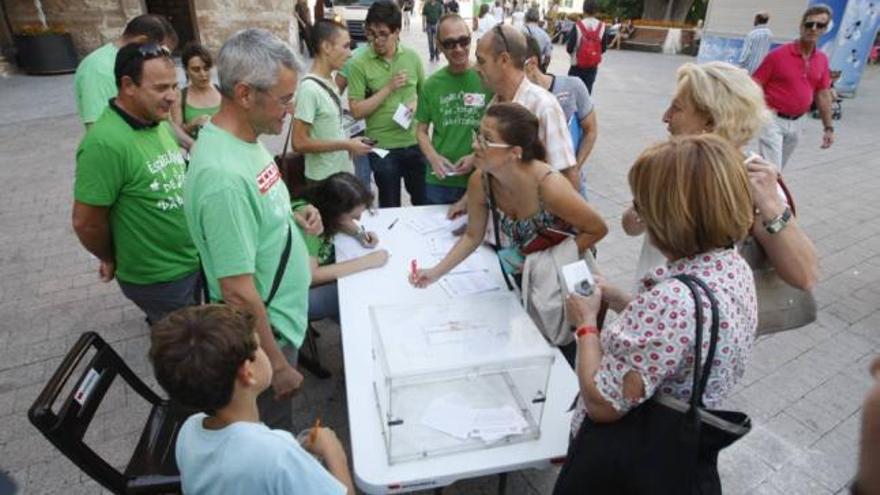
[(67, 428)]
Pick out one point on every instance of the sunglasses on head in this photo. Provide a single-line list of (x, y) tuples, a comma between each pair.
[(450, 43), (500, 33), (153, 50), (815, 25)]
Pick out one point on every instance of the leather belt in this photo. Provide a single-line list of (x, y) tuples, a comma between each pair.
[(789, 117)]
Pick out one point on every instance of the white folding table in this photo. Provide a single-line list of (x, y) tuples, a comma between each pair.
[(389, 285)]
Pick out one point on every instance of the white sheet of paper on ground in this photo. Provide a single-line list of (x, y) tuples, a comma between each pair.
[(380, 152), (450, 415), (466, 284)]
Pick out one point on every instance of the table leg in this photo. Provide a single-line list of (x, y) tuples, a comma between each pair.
[(502, 483)]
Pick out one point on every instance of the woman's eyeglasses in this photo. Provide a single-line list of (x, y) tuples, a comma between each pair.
[(485, 144), (451, 43)]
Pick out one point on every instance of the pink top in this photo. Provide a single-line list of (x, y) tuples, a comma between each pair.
[(654, 334), (790, 81)]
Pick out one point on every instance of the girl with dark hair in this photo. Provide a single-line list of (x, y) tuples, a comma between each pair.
[(529, 198), (341, 198), (200, 99)]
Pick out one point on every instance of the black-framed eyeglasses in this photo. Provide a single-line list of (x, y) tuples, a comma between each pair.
[(451, 43), (815, 25), (500, 33)]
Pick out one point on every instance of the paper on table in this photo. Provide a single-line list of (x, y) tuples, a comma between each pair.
[(465, 284), (428, 222), (380, 152), (441, 245), (348, 248), (473, 263), (450, 415)]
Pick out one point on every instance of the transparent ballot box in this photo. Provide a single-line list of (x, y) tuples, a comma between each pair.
[(465, 375)]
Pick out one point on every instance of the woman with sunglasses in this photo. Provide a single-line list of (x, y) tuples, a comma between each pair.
[(528, 195)]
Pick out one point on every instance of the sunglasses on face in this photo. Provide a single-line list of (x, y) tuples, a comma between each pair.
[(450, 43), (815, 25)]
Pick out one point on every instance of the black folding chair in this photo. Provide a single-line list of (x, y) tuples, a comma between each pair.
[(152, 467)]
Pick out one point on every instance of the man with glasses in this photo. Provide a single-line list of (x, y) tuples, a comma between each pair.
[(128, 206), (383, 86), (238, 209), (451, 102), (501, 57), (792, 76)]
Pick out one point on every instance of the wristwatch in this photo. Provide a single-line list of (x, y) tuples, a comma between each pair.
[(829, 128), (778, 223)]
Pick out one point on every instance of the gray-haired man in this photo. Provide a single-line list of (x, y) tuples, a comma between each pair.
[(238, 209)]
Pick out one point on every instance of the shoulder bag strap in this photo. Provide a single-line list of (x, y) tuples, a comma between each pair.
[(487, 178), (701, 373), (282, 267), (183, 93), (287, 140), (329, 91)]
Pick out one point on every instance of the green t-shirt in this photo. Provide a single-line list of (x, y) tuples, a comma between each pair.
[(238, 210), (368, 74), (318, 246), (94, 82), (137, 171), (346, 69), (454, 105), (432, 11), (316, 107)]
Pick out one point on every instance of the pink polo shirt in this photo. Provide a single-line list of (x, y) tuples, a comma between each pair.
[(789, 81)]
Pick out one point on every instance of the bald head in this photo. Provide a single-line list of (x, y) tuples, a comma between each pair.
[(451, 21)]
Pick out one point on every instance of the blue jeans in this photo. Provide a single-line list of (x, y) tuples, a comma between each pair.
[(431, 29), (588, 76), (442, 195), (159, 299), (401, 163), (362, 169), (324, 302)]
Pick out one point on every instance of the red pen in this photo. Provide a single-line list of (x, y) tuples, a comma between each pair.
[(413, 268)]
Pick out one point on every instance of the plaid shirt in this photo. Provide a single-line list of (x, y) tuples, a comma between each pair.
[(552, 127)]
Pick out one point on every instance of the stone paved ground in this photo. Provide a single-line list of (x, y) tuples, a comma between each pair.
[(803, 389)]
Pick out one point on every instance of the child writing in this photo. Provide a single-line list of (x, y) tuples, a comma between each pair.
[(341, 198), (209, 358)]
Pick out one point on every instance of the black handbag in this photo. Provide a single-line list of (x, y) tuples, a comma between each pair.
[(665, 445)]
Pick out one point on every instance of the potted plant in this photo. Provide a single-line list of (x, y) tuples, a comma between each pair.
[(45, 49)]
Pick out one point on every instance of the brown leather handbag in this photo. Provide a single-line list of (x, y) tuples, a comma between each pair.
[(780, 306), (292, 166)]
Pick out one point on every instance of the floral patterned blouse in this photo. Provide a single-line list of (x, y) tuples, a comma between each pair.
[(653, 336)]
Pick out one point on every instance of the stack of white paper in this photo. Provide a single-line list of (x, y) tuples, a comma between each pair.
[(466, 284), (451, 416), (440, 245)]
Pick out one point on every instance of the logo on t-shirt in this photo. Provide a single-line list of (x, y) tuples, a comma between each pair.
[(268, 177), (474, 99)]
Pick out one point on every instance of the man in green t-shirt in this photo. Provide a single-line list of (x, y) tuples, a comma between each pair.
[(94, 82), (128, 204), (431, 12), (451, 105), (383, 86), (238, 208), (317, 120)]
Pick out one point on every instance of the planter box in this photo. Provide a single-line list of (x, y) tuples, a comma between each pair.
[(46, 53)]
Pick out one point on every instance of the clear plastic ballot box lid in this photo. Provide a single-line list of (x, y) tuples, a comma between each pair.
[(460, 375)]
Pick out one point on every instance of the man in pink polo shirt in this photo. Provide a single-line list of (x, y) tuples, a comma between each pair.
[(793, 75)]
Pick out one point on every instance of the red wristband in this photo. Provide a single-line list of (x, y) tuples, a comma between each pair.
[(585, 330)]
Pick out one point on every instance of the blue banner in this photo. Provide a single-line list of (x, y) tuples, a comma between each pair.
[(852, 45)]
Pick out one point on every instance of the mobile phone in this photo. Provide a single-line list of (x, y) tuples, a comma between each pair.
[(578, 278)]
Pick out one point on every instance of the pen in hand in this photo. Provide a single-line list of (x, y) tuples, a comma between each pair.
[(313, 435)]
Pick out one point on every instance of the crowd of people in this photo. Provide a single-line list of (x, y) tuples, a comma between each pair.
[(496, 138)]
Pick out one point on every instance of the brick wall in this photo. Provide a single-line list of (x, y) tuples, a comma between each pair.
[(218, 19)]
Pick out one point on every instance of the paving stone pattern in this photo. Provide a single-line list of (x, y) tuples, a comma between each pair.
[(803, 389)]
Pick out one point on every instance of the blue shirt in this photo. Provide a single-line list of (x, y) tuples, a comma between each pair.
[(247, 458), (755, 48)]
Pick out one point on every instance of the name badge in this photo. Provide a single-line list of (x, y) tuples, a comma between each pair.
[(474, 100), (403, 116), (268, 177)]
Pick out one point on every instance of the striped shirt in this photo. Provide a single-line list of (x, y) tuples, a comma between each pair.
[(552, 126), (755, 48)]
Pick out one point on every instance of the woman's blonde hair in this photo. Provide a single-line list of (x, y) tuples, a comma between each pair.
[(692, 193), (726, 94)]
